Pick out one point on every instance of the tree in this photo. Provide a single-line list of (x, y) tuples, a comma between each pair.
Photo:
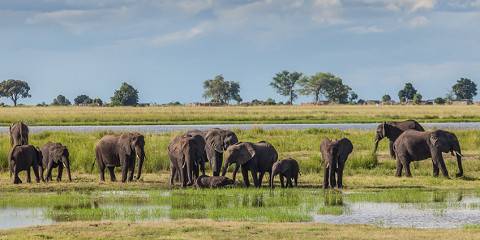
[(61, 100), (464, 89), (407, 93), (125, 96), (439, 101), (221, 91), (284, 82), (417, 98), (353, 96), (315, 85), (97, 101), (336, 91), (82, 100), (14, 89), (386, 98)]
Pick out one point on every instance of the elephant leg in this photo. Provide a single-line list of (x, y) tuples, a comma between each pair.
[(245, 176), (131, 170), (289, 181), (406, 164), (260, 178), (111, 170), (270, 183), (40, 170), (326, 178), (234, 175), (399, 168), (49, 171), (333, 181), (60, 172), (443, 167), (340, 175), (35, 171), (392, 153), (16, 179), (183, 176), (29, 177), (295, 178), (282, 183), (125, 167), (101, 170), (173, 171), (255, 178), (435, 168)]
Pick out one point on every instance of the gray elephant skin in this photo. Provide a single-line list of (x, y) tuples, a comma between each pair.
[(24, 158), (55, 155), (18, 134), (392, 130), (187, 156), (213, 182), (416, 146), (115, 151), (258, 158), (334, 154), (217, 141), (287, 168)]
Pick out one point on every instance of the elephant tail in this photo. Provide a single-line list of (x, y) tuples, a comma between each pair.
[(98, 157)]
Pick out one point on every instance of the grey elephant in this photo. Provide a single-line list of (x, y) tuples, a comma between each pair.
[(392, 130), (18, 134), (24, 158), (55, 155), (334, 155), (217, 141), (213, 182), (258, 158), (287, 168), (115, 151), (416, 146), (187, 156)]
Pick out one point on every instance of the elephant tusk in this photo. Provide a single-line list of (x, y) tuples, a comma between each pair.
[(458, 154), (64, 165)]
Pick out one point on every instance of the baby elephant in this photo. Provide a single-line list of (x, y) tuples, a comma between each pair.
[(55, 155), (205, 181), (23, 158), (334, 154), (287, 168)]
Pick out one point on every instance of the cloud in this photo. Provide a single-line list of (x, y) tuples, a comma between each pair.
[(179, 36), (418, 22), (365, 29), (327, 11), (410, 5)]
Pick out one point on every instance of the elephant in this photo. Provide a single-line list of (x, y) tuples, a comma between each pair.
[(205, 181), (416, 146), (392, 131), (55, 155), (334, 155), (217, 141), (18, 134), (287, 168), (23, 158), (254, 157), (120, 150), (187, 155)]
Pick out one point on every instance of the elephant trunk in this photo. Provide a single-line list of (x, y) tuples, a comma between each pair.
[(224, 170), (66, 162), (272, 176), (376, 145), (457, 152), (141, 158)]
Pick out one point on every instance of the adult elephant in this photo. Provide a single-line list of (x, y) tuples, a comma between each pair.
[(217, 141), (392, 130), (55, 155), (18, 134), (334, 154), (258, 158), (187, 156), (24, 158), (114, 151), (416, 146)]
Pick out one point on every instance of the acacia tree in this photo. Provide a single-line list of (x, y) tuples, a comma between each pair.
[(407, 92), (336, 91), (284, 82), (126, 95), (465, 89), (221, 91), (14, 89), (315, 85)]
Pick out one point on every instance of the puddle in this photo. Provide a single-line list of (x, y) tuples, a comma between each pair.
[(387, 208)]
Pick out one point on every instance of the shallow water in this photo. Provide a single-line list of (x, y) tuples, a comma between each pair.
[(387, 208), (170, 128)]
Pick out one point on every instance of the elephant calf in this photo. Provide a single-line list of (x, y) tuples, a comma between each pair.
[(335, 154), (23, 158), (287, 168), (55, 155), (205, 181)]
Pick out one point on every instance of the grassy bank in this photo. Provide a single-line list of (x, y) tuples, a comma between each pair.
[(236, 114), (205, 229)]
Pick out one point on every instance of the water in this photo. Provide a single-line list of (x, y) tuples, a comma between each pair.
[(170, 128), (387, 208)]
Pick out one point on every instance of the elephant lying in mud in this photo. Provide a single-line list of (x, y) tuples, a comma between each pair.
[(213, 182), (287, 168), (187, 157), (18, 134), (24, 158), (335, 154), (392, 130), (416, 146), (55, 155)]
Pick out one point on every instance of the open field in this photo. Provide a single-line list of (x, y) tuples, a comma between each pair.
[(236, 114)]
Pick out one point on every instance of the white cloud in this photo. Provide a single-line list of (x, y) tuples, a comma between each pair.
[(419, 21), (365, 29), (184, 35), (410, 5), (327, 11)]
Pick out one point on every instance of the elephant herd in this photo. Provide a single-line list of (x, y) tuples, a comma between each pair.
[(190, 151)]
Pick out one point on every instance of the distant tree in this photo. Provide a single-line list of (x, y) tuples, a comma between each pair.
[(386, 98), (61, 100), (407, 93), (97, 101), (221, 91), (464, 89), (353, 97), (284, 83), (417, 98), (315, 85), (14, 89), (336, 91), (270, 101), (439, 101), (82, 100), (126, 95), (361, 101)]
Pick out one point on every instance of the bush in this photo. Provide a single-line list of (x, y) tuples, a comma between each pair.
[(440, 100)]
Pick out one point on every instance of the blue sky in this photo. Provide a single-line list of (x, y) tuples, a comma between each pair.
[(166, 49)]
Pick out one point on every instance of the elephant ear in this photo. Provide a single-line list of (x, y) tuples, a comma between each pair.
[(126, 144), (434, 140), (246, 152), (384, 127), (215, 141)]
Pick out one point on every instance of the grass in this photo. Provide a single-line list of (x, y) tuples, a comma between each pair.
[(236, 114)]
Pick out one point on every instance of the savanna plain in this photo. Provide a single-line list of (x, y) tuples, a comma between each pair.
[(150, 209)]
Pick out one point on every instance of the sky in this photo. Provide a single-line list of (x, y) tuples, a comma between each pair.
[(166, 49)]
